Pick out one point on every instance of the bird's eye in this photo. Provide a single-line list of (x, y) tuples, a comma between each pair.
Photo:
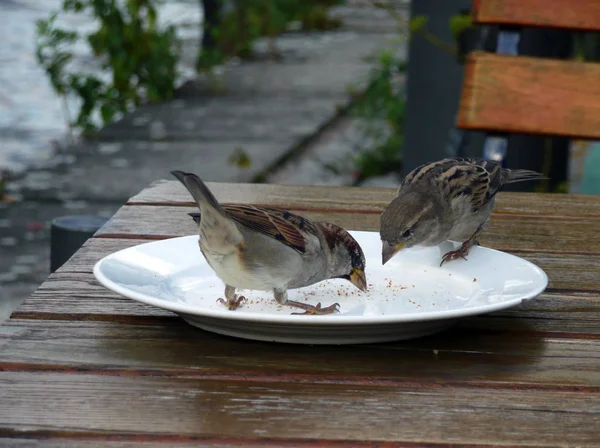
[(407, 234)]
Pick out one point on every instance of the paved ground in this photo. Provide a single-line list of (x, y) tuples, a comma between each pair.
[(280, 113)]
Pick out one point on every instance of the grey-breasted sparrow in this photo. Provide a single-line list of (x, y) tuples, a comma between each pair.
[(270, 249), (451, 199)]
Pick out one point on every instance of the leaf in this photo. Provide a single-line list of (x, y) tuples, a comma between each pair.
[(417, 23), (239, 158), (459, 23), (107, 112)]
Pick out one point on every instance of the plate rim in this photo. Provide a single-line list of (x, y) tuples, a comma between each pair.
[(308, 319)]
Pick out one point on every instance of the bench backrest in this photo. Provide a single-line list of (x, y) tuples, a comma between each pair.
[(510, 93)]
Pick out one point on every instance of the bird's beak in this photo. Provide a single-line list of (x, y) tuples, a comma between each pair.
[(389, 250), (359, 279)]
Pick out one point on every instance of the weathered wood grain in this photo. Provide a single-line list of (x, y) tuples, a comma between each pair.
[(21, 441), (81, 402), (97, 248), (358, 199), (97, 439), (171, 192), (468, 357), (160, 221), (508, 233), (73, 292), (86, 365), (530, 95), (93, 250), (78, 296), (568, 272), (94, 439), (579, 14)]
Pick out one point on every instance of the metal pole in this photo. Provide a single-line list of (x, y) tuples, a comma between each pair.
[(434, 80)]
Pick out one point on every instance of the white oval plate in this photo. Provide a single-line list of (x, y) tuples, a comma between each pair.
[(411, 296)]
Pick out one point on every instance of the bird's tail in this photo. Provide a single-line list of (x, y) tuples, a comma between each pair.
[(199, 191), (522, 176), (215, 226)]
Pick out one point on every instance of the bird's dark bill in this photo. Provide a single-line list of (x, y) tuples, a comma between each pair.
[(389, 250)]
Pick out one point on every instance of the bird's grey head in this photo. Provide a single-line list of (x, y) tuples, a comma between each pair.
[(410, 219), (347, 257)]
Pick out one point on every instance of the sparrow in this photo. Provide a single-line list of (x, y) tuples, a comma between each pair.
[(451, 199), (271, 249)]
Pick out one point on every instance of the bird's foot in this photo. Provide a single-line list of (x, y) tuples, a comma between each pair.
[(233, 303), (314, 310), (461, 252)]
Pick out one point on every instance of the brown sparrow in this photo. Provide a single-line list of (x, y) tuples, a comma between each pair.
[(451, 199), (270, 249)]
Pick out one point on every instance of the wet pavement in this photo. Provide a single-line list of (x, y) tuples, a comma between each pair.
[(31, 114)]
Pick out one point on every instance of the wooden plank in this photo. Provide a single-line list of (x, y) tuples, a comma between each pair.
[(192, 407), (509, 233), (78, 296), (93, 250), (550, 314), (169, 221), (97, 439), (97, 248), (505, 93), (484, 357), (568, 272), (73, 292), (102, 439), (171, 192), (358, 199), (41, 442), (581, 15)]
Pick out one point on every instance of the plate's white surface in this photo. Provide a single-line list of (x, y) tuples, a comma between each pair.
[(410, 296)]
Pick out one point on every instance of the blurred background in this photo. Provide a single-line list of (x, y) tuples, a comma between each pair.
[(99, 98)]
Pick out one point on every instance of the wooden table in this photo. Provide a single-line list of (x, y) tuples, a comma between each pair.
[(80, 363)]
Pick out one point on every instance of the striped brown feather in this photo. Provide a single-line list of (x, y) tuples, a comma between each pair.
[(458, 176), (273, 222)]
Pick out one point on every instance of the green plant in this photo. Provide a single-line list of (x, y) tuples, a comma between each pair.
[(140, 58), (248, 20), (384, 101)]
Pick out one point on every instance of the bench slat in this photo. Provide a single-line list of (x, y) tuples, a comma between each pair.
[(356, 199), (188, 407), (506, 232), (575, 14), (504, 93), (462, 356)]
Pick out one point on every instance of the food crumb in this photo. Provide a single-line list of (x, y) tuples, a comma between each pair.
[(474, 280)]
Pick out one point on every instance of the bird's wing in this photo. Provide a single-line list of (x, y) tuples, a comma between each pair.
[(279, 224), (459, 176)]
